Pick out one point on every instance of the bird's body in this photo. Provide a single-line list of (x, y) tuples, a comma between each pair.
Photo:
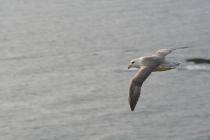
[(147, 65), (164, 65)]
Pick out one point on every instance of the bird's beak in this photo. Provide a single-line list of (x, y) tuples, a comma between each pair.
[(129, 66)]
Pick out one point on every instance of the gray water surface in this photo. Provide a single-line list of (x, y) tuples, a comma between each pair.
[(63, 70)]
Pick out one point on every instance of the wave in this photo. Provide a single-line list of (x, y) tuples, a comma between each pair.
[(195, 67)]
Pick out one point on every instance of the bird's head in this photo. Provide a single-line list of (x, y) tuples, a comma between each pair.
[(135, 63)]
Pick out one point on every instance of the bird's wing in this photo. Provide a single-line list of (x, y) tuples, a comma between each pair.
[(137, 81), (164, 52)]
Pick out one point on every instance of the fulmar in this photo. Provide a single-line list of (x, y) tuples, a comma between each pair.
[(147, 65)]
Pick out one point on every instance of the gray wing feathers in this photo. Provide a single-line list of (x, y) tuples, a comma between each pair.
[(136, 83), (134, 94), (164, 52), (180, 48)]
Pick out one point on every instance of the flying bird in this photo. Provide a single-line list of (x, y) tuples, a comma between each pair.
[(147, 65)]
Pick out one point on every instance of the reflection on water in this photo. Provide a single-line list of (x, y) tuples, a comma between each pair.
[(198, 60)]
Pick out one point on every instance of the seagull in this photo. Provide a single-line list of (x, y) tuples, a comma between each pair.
[(146, 66)]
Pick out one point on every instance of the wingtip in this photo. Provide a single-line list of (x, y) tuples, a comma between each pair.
[(132, 109), (132, 106), (184, 47)]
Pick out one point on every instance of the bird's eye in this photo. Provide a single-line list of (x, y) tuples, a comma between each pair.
[(132, 62)]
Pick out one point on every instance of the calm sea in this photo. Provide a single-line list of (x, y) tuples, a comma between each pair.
[(63, 70)]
